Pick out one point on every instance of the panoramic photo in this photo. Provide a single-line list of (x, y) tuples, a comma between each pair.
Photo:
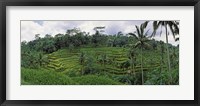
[(100, 52)]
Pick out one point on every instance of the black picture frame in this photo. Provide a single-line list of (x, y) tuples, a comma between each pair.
[(4, 3)]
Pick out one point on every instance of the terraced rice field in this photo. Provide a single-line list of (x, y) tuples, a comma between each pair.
[(63, 60), (64, 63)]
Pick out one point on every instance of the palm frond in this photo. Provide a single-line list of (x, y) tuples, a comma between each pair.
[(146, 33), (134, 35), (155, 27), (161, 30), (138, 31), (176, 27), (141, 29), (177, 39), (162, 23), (170, 24), (131, 45), (144, 25), (145, 39), (146, 45), (137, 44)]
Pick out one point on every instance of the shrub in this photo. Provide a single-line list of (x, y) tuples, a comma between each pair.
[(44, 77), (72, 73), (155, 77), (95, 80), (129, 79)]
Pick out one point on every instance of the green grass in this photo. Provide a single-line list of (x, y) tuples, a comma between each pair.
[(95, 80), (50, 77), (44, 77)]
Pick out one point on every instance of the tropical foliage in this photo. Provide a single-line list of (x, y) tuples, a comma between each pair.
[(80, 58)]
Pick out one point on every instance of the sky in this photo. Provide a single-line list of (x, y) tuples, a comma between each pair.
[(30, 28)]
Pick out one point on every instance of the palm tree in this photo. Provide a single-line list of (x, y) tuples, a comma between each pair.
[(82, 61), (174, 29), (104, 59), (141, 43)]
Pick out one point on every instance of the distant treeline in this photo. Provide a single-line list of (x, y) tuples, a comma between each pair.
[(76, 38)]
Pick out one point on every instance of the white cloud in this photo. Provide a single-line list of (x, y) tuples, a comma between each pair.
[(30, 28), (171, 39)]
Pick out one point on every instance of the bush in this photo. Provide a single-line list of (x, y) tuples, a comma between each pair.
[(129, 79), (95, 80), (90, 67), (90, 70), (44, 77), (72, 73), (156, 77)]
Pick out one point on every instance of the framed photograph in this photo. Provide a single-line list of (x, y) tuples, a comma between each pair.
[(72, 52)]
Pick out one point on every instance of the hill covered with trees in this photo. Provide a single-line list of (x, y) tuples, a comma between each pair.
[(81, 58)]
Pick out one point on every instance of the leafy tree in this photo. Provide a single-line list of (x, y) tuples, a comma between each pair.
[(73, 31), (110, 42), (37, 42), (154, 44), (71, 47), (42, 59), (37, 36), (48, 36), (49, 46), (103, 60), (89, 65), (97, 37), (59, 41), (33, 59), (118, 40)]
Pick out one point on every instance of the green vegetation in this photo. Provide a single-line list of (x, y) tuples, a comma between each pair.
[(79, 58)]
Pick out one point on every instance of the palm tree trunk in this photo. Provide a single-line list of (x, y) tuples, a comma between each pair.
[(104, 66), (142, 66), (132, 66), (132, 69), (40, 60), (161, 67), (168, 58), (82, 70), (161, 61)]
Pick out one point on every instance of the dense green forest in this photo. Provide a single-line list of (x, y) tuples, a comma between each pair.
[(81, 58)]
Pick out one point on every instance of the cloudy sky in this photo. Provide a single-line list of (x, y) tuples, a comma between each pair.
[(30, 28)]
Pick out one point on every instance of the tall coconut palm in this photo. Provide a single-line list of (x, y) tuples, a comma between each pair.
[(141, 37), (173, 28)]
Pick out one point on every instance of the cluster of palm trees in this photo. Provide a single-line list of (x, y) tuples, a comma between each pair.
[(142, 38)]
